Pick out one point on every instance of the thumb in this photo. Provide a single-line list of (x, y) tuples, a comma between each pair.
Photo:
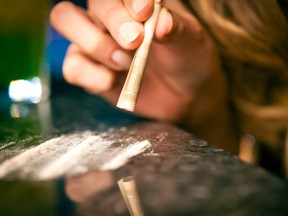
[(177, 29)]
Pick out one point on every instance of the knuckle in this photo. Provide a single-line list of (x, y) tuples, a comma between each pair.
[(71, 69), (95, 46), (111, 14)]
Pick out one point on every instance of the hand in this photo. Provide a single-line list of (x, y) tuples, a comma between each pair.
[(183, 82)]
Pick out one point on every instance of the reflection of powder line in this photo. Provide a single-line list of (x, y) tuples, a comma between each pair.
[(24, 157), (72, 157), (125, 155)]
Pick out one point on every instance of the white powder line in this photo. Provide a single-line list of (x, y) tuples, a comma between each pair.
[(24, 157), (58, 167), (14, 142), (6, 145), (125, 155), (75, 153)]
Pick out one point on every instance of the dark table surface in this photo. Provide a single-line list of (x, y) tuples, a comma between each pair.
[(177, 174)]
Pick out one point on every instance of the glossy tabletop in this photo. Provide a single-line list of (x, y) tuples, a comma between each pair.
[(65, 156)]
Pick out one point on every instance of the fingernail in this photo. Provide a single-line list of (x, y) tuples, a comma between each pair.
[(121, 58), (139, 5), (129, 31)]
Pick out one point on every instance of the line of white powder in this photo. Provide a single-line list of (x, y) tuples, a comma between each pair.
[(68, 154), (58, 167), (125, 154), (20, 160)]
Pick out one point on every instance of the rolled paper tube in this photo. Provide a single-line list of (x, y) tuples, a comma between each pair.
[(129, 192), (130, 91)]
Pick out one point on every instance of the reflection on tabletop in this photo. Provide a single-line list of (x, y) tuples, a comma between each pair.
[(56, 164), (88, 191)]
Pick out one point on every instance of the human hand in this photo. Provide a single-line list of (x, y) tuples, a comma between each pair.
[(183, 69)]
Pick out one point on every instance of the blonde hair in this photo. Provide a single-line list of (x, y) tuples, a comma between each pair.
[(252, 39)]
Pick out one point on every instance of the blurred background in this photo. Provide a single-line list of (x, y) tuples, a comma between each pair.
[(56, 50)]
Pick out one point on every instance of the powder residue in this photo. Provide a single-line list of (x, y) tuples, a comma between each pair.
[(71, 154)]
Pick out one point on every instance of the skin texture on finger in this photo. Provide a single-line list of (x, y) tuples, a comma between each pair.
[(83, 72), (165, 25), (124, 29), (140, 10), (75, 24)]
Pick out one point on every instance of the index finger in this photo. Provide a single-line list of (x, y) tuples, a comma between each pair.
[(117, 20)]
